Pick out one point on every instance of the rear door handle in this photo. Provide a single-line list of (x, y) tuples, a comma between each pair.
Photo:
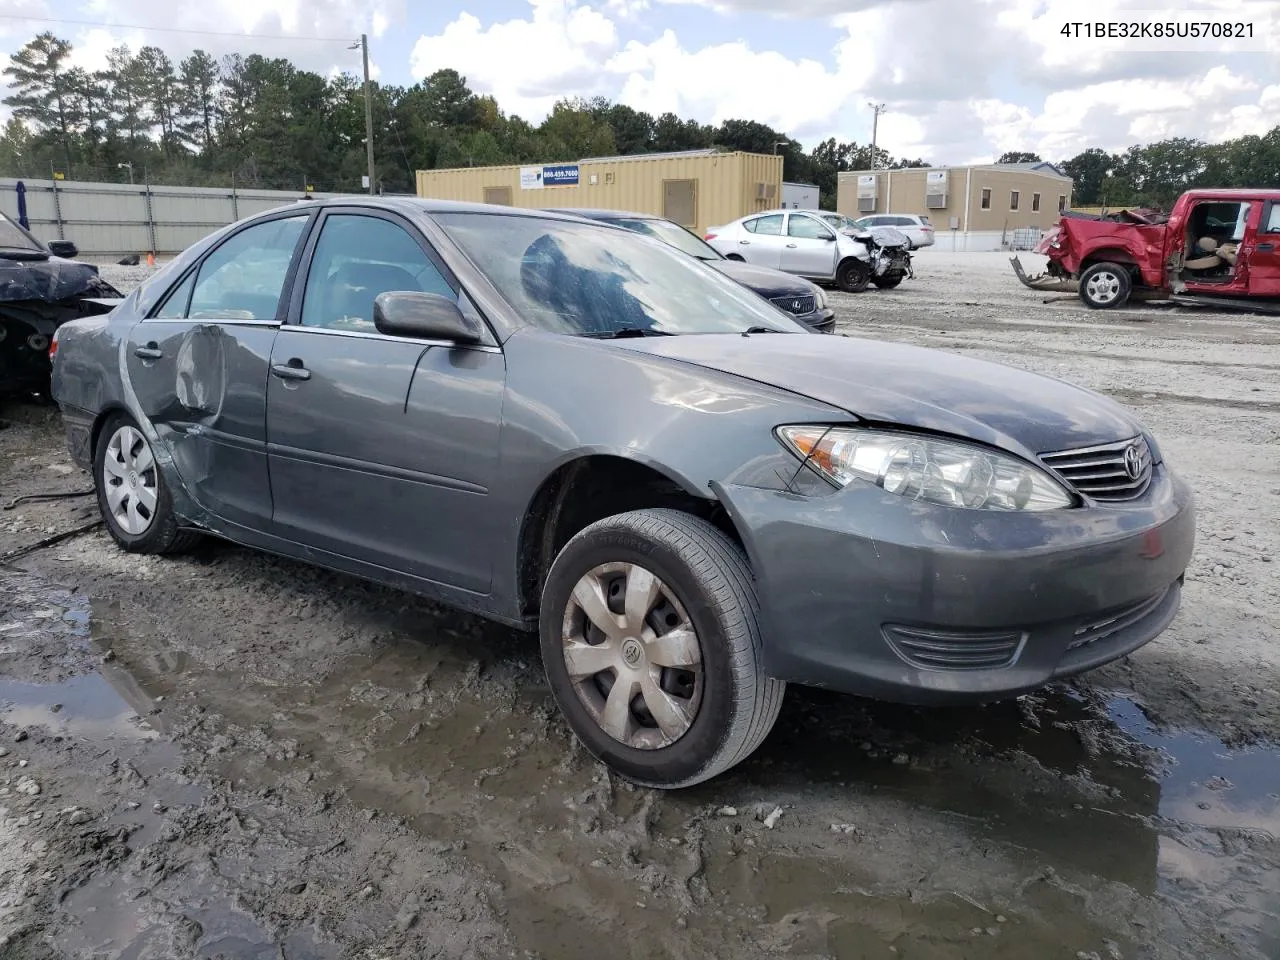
[(293, 370), (151, 351), (745, 243), (791, 246)]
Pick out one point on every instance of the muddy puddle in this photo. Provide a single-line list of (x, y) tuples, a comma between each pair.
[(1064, 824)]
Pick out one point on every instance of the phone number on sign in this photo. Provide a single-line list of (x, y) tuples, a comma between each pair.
[(1166, 30)]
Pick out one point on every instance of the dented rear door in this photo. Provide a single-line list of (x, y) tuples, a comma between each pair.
[(198, 368)]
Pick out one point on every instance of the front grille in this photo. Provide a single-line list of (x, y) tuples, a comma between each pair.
[(797, 305), (1091, 631), (1106, 472), (954, 650)]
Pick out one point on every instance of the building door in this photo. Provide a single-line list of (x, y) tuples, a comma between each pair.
[(679, 201), (498, 195)]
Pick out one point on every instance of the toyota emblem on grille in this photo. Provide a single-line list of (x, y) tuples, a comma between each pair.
[(1133, 461)]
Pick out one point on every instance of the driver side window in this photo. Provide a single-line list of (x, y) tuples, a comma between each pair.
[(1272, 223), (806, 228), (356, 258)]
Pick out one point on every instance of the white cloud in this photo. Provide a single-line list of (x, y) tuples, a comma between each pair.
[(964, 80)]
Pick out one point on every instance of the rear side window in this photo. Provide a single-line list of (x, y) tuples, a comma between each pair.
[(175, 305), (770, 225), (244, 277), (924, 221)]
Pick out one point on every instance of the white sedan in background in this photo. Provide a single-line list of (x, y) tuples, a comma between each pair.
[(916, 226), (800, 242)]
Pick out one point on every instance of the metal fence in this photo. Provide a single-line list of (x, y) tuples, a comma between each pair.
[(109, 219)]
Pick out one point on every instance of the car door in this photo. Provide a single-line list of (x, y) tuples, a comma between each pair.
[(197, 366), (761, 240), (1264, 253), (382, 449), (810, 248)]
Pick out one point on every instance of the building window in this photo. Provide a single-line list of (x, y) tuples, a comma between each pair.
[(986, 198), (1062, 202), (498, 195), (1013, 199), (608, 177), (1035, 203)]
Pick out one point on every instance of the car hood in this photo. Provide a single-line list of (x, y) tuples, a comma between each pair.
[(891, 383), (764, 280)]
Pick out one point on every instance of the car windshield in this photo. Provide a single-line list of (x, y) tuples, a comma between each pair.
[(13, 237), (585, 279), (673, 234)]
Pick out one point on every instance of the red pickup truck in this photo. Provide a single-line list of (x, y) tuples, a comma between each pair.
[(1215, 247)]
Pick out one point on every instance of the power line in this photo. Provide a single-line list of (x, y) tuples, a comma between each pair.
[(201, 33)]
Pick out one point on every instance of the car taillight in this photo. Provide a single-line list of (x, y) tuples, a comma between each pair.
[(709, 236), (53, 344)]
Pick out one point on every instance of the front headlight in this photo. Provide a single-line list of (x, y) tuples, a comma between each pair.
[(820, 297), (947, 472)]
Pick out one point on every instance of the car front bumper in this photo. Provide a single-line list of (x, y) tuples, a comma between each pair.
[(866, 593), (824, 320)]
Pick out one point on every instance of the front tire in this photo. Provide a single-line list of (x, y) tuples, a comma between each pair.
[(651, 644), (887, 283), (1104, 286), (853, 276), (132, 495)]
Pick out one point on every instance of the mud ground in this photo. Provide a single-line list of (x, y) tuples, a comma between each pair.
[(231, 755)]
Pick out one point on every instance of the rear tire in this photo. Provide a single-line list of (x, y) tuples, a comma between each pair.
[(853, 276), (652, 576), (1105, 286), (132, 495)]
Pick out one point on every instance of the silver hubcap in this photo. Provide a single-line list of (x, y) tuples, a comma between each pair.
[(633, 655), (1103, 287), (129, 479)]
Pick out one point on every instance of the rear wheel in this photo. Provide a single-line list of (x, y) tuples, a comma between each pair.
[(1105, 285), (652, 648), (853, 276), (132, 496)]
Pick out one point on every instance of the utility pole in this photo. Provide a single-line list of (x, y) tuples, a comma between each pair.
[(368, 108), (877, 109)]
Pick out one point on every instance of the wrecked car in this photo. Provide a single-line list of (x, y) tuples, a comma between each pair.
[(802, 243), (1216, 248), (691, 497), (41, 287)]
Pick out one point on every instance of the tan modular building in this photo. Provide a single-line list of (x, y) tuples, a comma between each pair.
[(986, 207), (695, 188)]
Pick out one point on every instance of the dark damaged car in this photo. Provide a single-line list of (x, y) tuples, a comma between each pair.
[(40, 289), (578, 430)]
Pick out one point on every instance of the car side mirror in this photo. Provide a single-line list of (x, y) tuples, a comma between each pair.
[(829, 237), (63, 248), (424, 316)]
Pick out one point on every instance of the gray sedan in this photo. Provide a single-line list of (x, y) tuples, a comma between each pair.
[(568, 427)]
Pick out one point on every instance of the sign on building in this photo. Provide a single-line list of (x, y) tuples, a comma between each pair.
[(552, 175)]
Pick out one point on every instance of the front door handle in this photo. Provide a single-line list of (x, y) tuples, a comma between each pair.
[(745, 243), (791, 246), (151, 351), (1266, 247), (293, 370)]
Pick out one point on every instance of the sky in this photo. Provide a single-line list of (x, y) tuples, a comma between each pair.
[(961, 80)]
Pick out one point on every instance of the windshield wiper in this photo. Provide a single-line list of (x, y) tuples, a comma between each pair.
[(762, 330), (624, 332)]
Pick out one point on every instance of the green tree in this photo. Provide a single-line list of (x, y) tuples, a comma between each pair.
[(42, 88), (1088, 169), (1018, 156), (198, 80)]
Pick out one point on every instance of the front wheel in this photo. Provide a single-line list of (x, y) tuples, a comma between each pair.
[(132, 496), (651, 645), (1105, 285), (888, 283), (853, 276)]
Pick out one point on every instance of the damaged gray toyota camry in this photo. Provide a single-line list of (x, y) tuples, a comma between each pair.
[(568, 427)]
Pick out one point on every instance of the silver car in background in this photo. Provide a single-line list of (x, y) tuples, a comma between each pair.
[(803, 243), (916, 226)]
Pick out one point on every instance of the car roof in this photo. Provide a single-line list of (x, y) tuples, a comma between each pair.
[(599, 213), (428, 205)]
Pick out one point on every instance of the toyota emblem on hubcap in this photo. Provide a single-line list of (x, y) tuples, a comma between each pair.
[(631, 653), (1133, 462)]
